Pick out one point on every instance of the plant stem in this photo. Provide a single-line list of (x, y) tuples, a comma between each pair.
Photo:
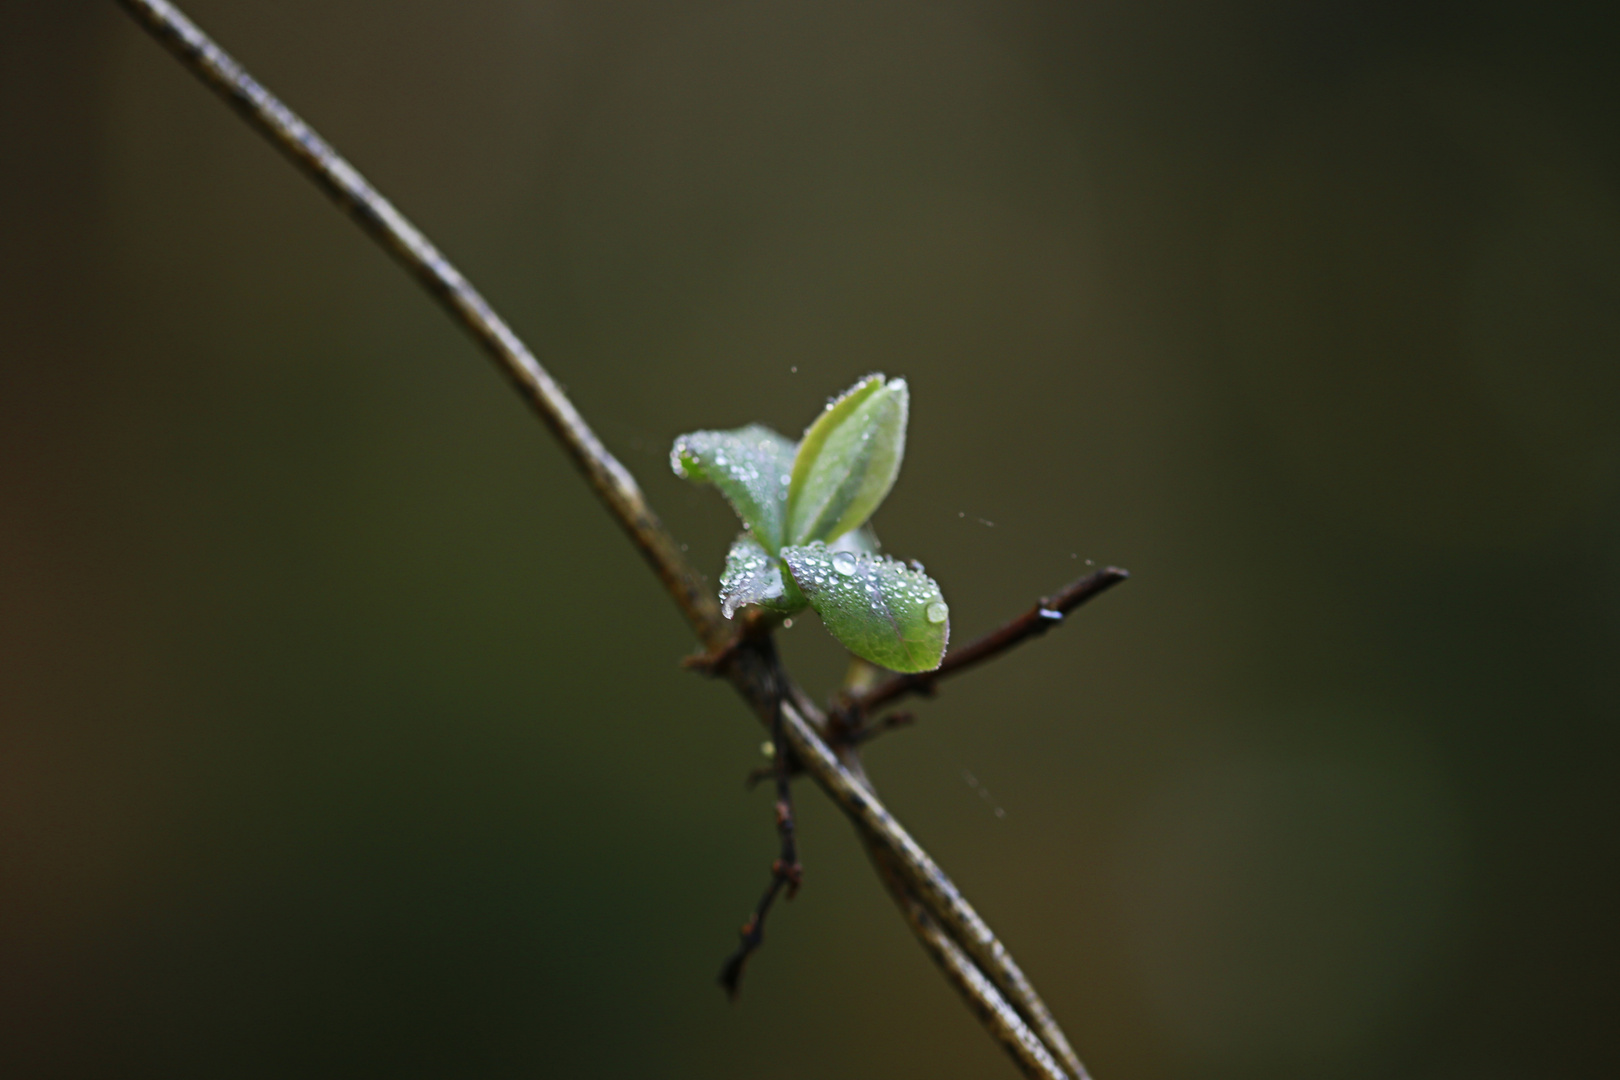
[(927, 882), (1021, 1019), (1047, 613), (1031, 1055), (786, 873)]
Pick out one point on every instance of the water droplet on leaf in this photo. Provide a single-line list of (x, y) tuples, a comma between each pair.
[(937, 612), (844, 563)]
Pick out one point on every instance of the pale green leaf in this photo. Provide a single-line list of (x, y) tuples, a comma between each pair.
[(880, 609), (751, 466), (754, 576), (847, 461)]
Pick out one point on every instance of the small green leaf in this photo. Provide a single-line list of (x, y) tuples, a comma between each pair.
[(847, 461), (751, 466), (880, 609), (754, 576)]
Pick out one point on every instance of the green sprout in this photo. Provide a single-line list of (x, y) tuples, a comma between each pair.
[(806, 541)]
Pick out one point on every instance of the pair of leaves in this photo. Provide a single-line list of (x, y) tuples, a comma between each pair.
[(804, 509), (826, 486)]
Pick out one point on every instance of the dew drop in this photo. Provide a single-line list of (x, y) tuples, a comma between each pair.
[(937, 612), (844, 563)]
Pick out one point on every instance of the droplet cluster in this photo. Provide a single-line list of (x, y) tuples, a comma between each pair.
[(889, 607), (751, 466), (752, 576)]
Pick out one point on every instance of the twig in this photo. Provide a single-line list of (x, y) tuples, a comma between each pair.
[(999, 989), (927, 882), (1047, 613), (613, 484), (1032, 1056), (972, 958), (785, 870), (756, 678), (1006, 1022)]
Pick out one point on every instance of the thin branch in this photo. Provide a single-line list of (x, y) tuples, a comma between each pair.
[(1032, 1056), (785, 871), (1047, 613), (916, 877), (801, 724), (1005, 1020), (750, 670), (923, 877)]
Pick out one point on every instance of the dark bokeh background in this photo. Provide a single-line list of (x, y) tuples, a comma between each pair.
[(342, 735)]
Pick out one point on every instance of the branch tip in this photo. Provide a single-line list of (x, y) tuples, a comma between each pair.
[(1047, 613)]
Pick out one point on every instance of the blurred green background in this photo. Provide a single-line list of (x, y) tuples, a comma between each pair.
[(341, 734)]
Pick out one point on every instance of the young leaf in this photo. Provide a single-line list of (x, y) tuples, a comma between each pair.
[(751, 466), (754, 576), (880, 609), (847, 461)]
